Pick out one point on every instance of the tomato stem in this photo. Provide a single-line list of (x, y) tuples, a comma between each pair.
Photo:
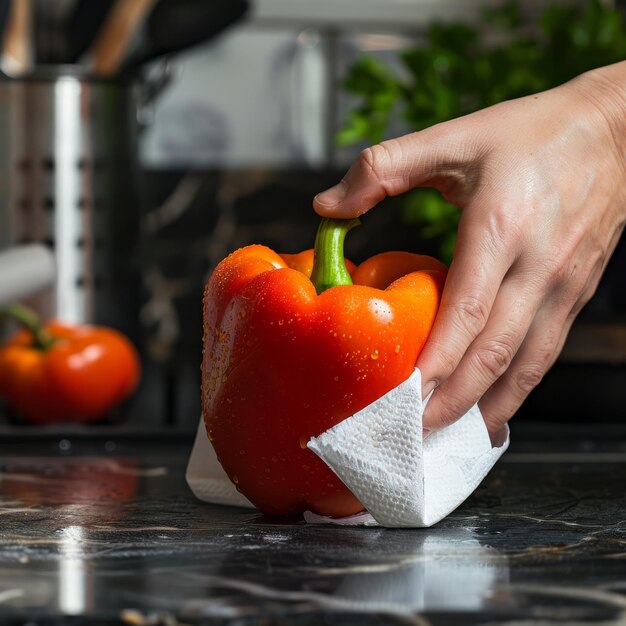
[(28, 319), (329, 265)]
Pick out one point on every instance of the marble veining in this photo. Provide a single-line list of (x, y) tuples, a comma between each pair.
[(122, 540)]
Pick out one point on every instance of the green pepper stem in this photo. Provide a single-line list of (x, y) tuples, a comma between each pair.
[(329, 265), (28, 319)]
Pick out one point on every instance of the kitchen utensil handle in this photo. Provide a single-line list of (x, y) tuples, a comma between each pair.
[(17, 57), (112, 42)]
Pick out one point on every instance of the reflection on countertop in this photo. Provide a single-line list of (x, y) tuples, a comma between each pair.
[(118, 537)]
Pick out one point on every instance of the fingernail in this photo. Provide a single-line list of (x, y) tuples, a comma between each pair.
[(428, 388), (499, 437), (331, 197)]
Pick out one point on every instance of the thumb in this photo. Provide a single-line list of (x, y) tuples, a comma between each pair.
[(423, 159)]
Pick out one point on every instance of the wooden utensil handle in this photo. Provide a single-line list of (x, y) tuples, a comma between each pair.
[(107, 52)]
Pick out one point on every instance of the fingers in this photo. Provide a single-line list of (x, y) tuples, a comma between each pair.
[(481, 261), (488, 356), (538, 353), (511, 356), (511, 292), (525, 332), (393, 167)]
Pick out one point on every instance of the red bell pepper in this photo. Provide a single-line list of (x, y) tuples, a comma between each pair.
[(61, 373), (287, 357)]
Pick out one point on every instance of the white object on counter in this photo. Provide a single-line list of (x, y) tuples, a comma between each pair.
[(24, 270), (381, 456), (206, 477), (402, 479)]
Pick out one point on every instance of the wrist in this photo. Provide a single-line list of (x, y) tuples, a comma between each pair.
[(605, 89)]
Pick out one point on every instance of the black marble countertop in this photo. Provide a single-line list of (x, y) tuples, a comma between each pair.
[(108, 532)]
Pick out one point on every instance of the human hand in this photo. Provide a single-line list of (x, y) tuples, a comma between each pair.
[(541, 182)]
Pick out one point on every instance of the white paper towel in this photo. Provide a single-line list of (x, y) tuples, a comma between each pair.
[(379, 453)]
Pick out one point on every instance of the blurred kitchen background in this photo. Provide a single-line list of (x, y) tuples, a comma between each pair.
[(142, 141)]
